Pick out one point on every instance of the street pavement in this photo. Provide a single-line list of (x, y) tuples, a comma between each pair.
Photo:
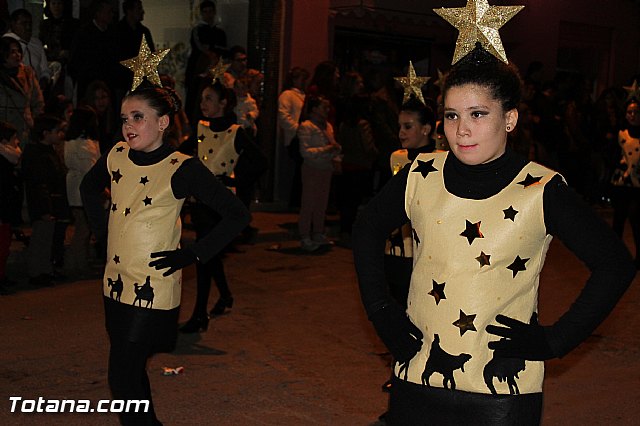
[(297, 348)]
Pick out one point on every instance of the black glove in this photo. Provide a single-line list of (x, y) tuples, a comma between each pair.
[(172, 259), (226, 180), (520, 340), (398, 333)]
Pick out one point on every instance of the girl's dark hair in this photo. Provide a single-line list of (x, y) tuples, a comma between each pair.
[(311, 102), (7, 130), (224, 94), (83, 123), (159, 99), (424, 112), (324, 78), (5, 46), (482, 68)]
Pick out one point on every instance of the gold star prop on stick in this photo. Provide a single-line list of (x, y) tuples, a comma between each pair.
[(633, 91), (478, 22), (145, 64), (217, 72), (412, 84)]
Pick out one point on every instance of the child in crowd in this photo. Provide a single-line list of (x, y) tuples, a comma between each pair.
[(149, 182), (81, 152), (318, 148), (10, 195), (45, 189), (246, 108), (220, 145)]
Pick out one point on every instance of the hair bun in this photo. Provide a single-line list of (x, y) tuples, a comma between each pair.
[(176, 102)]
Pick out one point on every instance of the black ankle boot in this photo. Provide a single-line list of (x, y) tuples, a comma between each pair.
[(195, 325), (221, 305)]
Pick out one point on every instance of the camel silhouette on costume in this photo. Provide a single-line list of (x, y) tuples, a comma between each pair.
[(144, 292), (441, 362), (116, 287)]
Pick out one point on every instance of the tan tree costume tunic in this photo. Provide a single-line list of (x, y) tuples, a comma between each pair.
[(628, 171), (473, 259), (144, 218), (216, 150)]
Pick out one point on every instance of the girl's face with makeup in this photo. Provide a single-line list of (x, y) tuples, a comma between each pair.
[(475, 124), (141, 125)]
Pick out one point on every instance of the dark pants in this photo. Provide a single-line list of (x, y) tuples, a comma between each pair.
[(411, 404), (128, 379), (626, 204)]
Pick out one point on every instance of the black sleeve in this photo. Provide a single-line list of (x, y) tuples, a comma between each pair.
[(252, 162), (189, 146), (384, 213), (92, 189), (194, 179), (583, 232)]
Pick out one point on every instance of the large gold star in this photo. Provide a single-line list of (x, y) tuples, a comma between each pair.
[(145, 64), (633, 91), (217, 72), (478, 22), (412, 84)]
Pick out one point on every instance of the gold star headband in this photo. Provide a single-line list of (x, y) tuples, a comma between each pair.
[(478, 22), (217, 72), (633, 91), (412, 84), (145, 64)]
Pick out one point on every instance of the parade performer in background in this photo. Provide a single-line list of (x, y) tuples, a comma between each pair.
[(149, 182)]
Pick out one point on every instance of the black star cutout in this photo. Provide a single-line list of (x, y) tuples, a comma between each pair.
[(174, 161), (438, 291), (210, 151), (116, 176), (116, 259), (215, 136), (200, 138), (510, 213), (465, 323), (518, 265), (127, 211), (472, 231), (231, 161), (120, 149), (483, 259), (415, 237), (147, 201), (530, 180), (229, 131), (425, 167), (144, 180), (223, 164), (114, 207)]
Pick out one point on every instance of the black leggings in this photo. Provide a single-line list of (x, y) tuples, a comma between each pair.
[(128, 379), (626, 204)]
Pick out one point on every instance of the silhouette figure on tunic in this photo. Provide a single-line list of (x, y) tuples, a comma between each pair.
[(505, 369), (441, 362), (116, 287), (144, 292)]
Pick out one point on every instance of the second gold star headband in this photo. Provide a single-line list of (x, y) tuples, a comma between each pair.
[(412, 84), (478, 22), (145, 65)]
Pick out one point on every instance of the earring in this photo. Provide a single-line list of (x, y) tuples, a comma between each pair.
[(508, 128)]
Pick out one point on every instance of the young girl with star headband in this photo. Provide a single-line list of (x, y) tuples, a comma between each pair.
[(149, 182), (468, 348)]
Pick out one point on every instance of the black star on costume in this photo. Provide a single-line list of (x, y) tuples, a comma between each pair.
[(483, 259), (116, 259), (147, 201), (144, 180), (120, 149), (200, 138), (425, 167), (415, 237), (114, 207), (530, 180), (518, 265), (223, 164), (510, 213), (472, 231), (210, 151), (116, 176), (215, 136), (174, 161), (231, 161), (438, 291), (127, 211), (465, 323)]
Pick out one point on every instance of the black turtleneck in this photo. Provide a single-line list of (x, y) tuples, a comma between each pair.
[(191, 179), (566, 216), (634, 131)]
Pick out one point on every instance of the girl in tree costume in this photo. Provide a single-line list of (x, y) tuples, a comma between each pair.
[(468, 349)]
